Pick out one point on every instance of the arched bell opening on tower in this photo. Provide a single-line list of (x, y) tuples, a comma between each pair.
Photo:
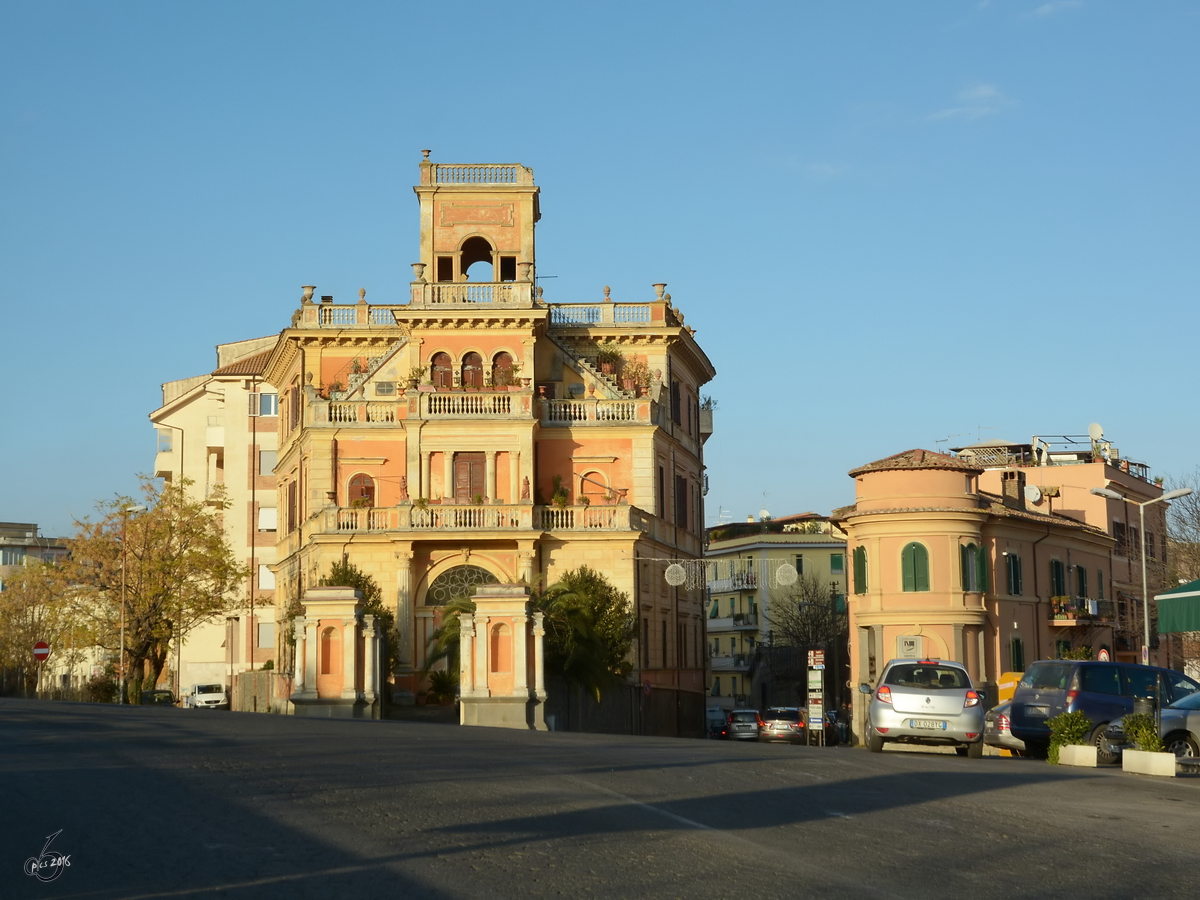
[(477, 261)]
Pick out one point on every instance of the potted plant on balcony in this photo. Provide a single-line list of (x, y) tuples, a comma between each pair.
[(636, 376), (559, 497), (415, 374), (609, 356)]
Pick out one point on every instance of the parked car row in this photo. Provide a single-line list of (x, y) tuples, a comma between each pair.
[(777, 723)]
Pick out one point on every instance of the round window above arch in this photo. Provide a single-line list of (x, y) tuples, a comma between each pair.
[(459, 582)]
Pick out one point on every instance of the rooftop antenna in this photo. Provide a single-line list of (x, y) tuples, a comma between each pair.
[(946, 439)]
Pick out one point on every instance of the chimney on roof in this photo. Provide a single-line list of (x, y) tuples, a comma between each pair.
[(1013, 483), (750, 518)]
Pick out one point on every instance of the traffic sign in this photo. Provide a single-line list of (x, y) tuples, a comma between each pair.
[(816, 658), (646, 688), (1102, 655), (41, 651)]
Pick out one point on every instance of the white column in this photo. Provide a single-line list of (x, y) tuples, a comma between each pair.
[(482, 639), (370, 658), (466, 649), (423, 487), (490, 474), (298, 628), (539, 681), (348, 657), (404, 614), (448, 487), (521, 656), (311, 626)]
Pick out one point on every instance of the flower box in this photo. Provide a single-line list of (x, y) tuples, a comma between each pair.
[(1144, 762), (1077, 755)]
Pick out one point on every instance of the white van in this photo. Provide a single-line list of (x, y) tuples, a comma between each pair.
[(207, 696)]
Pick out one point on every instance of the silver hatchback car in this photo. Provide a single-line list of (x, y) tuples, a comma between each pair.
[(926, 701)]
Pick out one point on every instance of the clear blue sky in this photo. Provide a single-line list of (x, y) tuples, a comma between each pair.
[(890, 222)]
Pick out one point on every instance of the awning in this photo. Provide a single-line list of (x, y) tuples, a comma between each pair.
[(1179, 608)]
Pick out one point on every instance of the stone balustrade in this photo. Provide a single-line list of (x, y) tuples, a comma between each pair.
[(480, 517), (356, 412), (596, 412)]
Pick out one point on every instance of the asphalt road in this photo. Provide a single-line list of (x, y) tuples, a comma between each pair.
[(155, 802)]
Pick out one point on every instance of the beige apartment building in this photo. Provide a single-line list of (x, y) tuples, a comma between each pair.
[(219, 430), (753, 572)]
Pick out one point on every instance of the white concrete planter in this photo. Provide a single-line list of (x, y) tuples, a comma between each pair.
[(1141, 762), (1077, 755)]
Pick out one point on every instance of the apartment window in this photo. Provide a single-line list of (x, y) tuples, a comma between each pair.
[(266, 461), (716, 690), (268, 518), (291, 506), (1058, 578), (837, 563), (1015, 585), (266, 635), (662, 493), (799, 563), (1135, 544), (646, 643), (1081, 581), (974, 567), (1118, 533), (1061, 649), (1099, 584), (681, 500), (732, 606), (1016, 655), (675, 404), (165, 440), (263, 404), (664, 644), (914, 567), (1150, 544), (294, 408), (860, 570), (12, 556), (266, 579)]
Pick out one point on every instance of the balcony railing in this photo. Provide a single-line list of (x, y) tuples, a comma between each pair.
[(489, 173), (605, 315), (736, 622), (350, 412), (475, 404), (747, 581), (596, 412), (500, 294), (1081, 611), (485, 517), (728, 663)]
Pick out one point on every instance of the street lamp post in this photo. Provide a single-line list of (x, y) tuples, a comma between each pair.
[(1169, 495), (124, 556)]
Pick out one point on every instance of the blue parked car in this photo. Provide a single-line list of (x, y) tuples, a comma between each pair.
[(1102, 691)]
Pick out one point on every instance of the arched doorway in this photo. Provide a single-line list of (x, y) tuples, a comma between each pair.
[(472, 370), (502, 369), (457, 583), (441, 370), (475, 260), (362, 490)]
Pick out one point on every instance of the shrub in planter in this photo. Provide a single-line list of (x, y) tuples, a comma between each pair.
[(1141, 729), (1067, 728)]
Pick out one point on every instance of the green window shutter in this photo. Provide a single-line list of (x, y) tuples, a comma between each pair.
[(964, 566), (921, 560), (983, 569), (860, 570), (1020, 576), (908, 568)]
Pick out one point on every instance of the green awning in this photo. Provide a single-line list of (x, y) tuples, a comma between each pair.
[(1179, 608)]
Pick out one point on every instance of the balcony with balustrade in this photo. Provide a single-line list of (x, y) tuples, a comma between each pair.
[(498, 517), (737, 663), (1068, 611), (591, 412), (737, 622)]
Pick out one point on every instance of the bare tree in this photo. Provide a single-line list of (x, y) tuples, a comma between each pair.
[(1183, 530), (803, 617)]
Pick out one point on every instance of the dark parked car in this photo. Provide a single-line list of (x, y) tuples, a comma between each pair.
[(743, 725), (782, 723), (1103, 691), (158, 698)]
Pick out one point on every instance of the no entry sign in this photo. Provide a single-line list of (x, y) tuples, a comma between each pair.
[(41, 651)]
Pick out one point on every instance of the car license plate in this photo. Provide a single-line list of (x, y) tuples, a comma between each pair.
[(1042, 711), (932, 724)]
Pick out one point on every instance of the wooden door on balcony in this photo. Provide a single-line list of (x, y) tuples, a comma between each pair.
[(469, 476)]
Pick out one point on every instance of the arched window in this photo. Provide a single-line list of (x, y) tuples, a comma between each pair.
[(441, 370), (362, 490), (914, 566), (328, 648), (456, 584), (860, 570), (974, 567), (502, 369), (501, 649), (472, 370)]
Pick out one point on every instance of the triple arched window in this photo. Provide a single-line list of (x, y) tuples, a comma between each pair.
[(914, 567)]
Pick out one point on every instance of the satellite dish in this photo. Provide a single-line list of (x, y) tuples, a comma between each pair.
[(1095, 432), (1033, 494), (676, 575), (786, 574)]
